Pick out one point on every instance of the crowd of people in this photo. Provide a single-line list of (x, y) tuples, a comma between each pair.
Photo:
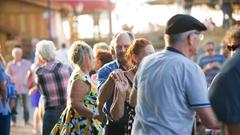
[(126, 88)]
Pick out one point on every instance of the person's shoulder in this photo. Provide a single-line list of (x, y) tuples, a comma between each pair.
[(39, 70), (26, 61), (104, 71), (202, 56), (78, 76), (10, 63), (219, 56), (188, 64), (108, 66)]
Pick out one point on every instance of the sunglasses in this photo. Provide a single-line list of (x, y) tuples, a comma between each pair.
[(232, 47)]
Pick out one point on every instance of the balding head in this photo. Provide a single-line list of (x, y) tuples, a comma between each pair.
[(119, 45)]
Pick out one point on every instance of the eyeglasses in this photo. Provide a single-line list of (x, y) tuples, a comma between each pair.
[(200, 35), (232, 47)]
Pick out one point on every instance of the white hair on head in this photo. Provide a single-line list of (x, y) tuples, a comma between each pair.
[(100, 46), (46, 49), (34, 41), (15, 50)]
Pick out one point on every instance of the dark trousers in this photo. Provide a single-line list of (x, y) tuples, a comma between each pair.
[(115, 128), (50, 118), (23, 98), (5, 124)]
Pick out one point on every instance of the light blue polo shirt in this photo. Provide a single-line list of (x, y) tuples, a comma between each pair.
[(169, 87)]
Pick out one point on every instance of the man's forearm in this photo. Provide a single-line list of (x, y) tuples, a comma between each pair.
[(105, 91)]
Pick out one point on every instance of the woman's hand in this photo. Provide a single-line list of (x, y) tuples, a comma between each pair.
[(100, 118)]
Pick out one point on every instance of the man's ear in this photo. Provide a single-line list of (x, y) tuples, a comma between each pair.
[(113, 52), (190, 39)]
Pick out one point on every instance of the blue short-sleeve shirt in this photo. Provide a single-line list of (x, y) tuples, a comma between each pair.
[(169, 86)]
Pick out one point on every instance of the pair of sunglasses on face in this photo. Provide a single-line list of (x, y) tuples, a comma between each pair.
[(232, 47)]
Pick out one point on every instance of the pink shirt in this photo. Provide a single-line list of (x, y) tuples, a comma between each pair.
[(17, 72)]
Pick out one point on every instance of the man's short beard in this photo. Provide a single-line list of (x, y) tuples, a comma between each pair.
[(122, 61)]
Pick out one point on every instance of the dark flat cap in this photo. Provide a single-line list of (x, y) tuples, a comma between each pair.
[(182, 23)]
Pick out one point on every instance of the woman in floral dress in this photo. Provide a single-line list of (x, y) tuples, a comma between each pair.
[(80, 116)]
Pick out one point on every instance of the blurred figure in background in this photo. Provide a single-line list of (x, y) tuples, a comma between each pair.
[(17, 70), (224, 51), (96, 48), (210, 62), (62, 55), (100, 46), (102, 57), (33, 43), (224, 90)]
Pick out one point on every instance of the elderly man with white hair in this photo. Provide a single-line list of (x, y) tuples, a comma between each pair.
[(52, 79), (17, 70)]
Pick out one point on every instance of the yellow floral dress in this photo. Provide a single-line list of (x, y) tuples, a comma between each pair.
[(71, 122)]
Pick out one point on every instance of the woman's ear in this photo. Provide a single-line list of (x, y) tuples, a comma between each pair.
[(135, 58)]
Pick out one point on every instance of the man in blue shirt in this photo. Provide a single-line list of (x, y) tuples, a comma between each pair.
[(170, 87), (120, 43), (7, 95), (210, 62)]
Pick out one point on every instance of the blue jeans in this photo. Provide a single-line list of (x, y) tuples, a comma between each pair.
[(50, 118), (5, 124)]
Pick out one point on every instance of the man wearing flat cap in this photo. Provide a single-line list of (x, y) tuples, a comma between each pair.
[(171, 87)]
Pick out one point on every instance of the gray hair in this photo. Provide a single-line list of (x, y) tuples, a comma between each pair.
[(46, 49), (100, 45), (175, 38), (77, 52), (17, 49)]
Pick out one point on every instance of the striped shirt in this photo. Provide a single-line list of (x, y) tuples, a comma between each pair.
[(205, 60), (52, 79)]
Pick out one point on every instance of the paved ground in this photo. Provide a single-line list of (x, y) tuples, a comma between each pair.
[(21, 128)]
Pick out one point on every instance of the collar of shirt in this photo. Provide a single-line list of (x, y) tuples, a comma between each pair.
[(49, 65), (18, 63), (174, 50), (120, 66)]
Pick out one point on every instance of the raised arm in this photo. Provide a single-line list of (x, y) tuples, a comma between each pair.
[(122, 87), (117, 107), (105, 92)]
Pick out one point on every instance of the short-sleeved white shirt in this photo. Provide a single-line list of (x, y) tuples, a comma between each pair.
[(169, 86)]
